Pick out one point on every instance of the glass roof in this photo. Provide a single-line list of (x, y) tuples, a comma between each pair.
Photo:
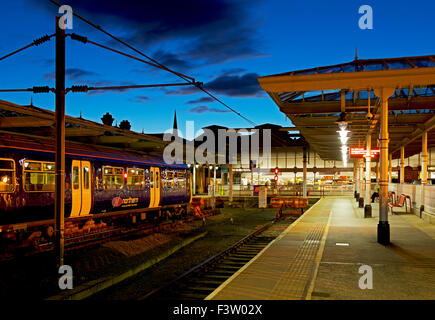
[(361, 65), (335, 95)]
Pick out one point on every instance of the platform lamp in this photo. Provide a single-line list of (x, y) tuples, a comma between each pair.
[(342, 121), (342, 125)]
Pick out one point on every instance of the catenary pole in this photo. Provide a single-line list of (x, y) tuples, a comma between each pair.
[(59, 203)]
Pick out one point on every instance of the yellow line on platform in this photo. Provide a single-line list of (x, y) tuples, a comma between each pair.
[(319, 257), (223, 285)]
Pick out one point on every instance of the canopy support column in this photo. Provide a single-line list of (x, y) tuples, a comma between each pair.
[(213, 195), (368, 206), (355, 179), (424, 157), (402, 169), (214, 179), (377, 172), (230, 177), (304, 185), (402, 164), (390, 168), (194, 179), (383, 226), (362, 183)]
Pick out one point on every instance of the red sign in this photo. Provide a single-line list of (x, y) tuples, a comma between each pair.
[(361, 153)]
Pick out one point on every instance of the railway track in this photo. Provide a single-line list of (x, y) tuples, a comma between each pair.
[(93, 238), (201, 280), (81, 241)]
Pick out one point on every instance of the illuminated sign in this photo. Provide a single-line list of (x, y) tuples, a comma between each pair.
[(361, 152)]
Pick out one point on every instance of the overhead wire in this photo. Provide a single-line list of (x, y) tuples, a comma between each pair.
[(35, 42), (184, 77)]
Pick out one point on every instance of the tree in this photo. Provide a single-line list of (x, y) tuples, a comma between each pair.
[(125, 125), (107, 119)]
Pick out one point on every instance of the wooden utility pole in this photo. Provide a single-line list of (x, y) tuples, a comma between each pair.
[(59, 202)]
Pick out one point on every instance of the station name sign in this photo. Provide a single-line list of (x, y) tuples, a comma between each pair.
[(361, 153)]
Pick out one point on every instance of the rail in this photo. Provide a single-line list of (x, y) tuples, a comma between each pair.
[(211, 261)]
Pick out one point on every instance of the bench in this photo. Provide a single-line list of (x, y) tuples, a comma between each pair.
[(295, 203), (401, 203), (391, 197)]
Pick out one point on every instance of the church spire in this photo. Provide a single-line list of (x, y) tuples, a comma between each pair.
[(175, 126)]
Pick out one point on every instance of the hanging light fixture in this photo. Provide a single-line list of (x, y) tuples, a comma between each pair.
[(342, 125), (342, 121)]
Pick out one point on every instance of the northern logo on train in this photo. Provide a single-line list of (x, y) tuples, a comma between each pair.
[(116, 202)]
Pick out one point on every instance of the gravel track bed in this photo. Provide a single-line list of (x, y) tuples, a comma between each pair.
[(223, 231), (36, 278)]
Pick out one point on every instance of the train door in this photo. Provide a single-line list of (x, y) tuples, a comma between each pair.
[(81, 188), (154, 187)]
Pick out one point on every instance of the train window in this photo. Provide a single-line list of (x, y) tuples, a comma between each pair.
[(48, 166), (113, 178), (157, 179), (86, 178), (152, 179), (169, 181), (39, 176), (180, 175), (7, 175), (75, 178), (135, 179), (181, 182)]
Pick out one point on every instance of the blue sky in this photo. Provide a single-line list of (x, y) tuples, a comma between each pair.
[(225, 44)]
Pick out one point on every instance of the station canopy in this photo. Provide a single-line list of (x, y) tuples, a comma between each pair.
[(315, 98), (34, 121)]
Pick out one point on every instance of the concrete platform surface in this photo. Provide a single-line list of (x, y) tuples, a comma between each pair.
[(331, 252)]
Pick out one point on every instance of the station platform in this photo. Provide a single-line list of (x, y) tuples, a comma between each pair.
[(319, 256)]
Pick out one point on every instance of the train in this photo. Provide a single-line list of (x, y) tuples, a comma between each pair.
[(100, 182)]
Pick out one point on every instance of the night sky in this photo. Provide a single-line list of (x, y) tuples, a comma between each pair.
[(224, 44)]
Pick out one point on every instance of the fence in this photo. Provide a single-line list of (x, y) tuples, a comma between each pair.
[(292, 190)]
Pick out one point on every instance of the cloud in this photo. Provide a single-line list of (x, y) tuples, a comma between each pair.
[(171, 60), (204, 109), (206, 31), (71, 74), (140, 99), (233, 85), (200, 100), (229, 44), (232, 71), (236, 85)]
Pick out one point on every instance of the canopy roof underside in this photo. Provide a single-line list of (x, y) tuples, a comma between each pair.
[(314, 98), (35, 121)]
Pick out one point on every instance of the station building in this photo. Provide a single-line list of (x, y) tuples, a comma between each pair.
[(324, 175)]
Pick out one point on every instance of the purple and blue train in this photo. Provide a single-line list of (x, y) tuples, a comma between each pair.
[(99, 182)]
